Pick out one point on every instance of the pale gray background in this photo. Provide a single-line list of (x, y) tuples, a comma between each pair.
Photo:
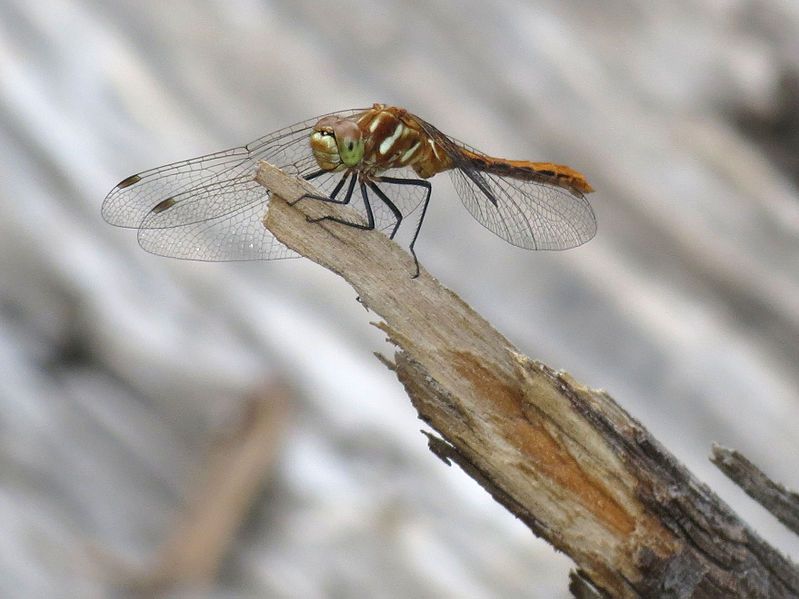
[(117, 367)]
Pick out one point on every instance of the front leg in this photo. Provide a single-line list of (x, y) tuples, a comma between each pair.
[(370, 224), (333, 194)]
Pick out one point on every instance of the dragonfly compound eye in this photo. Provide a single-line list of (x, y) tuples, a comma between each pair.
[(350, 142)]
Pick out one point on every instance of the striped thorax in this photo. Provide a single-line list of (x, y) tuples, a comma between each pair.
[(390, 137)]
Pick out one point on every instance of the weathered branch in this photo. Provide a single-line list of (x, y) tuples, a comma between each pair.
[(781, 502), (562, 457), (236, 469)]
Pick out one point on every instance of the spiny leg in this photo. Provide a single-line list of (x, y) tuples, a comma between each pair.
[(333, 194), (419, 183), (391, 206), (370, 224)]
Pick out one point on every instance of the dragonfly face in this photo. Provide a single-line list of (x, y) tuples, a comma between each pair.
[(376, 159), (337, 143)]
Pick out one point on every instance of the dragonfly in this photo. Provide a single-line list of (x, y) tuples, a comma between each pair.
[(377, 160)]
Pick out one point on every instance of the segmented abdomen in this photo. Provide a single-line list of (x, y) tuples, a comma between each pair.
[(544, 172)]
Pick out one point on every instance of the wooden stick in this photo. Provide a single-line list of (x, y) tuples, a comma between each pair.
[(564, 458), (781, 502)]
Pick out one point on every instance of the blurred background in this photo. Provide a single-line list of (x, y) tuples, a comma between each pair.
[(124, 376)]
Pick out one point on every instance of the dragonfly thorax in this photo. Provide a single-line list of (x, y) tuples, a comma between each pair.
[(394, 138)]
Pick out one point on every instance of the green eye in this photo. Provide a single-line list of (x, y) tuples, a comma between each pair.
[(351, 151)]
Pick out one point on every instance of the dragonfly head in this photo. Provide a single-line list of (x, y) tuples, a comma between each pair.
[(336, 143)]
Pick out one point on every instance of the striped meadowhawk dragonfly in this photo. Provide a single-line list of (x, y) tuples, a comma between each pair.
[(211, 208)]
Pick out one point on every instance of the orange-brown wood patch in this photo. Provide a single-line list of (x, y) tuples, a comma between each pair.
[(546, 454)]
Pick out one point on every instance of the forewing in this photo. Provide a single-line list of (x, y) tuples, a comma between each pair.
[(210, 207), (236, 233)]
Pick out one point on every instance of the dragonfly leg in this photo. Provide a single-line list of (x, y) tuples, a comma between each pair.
[(370, 224), (391, 206), (333, 194), (428, 190)]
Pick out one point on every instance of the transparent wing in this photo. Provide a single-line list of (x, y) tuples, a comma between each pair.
[(210, 208), (235, 233), (527, 213)]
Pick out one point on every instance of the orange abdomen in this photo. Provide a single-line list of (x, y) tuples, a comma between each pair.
[(546, 172)]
